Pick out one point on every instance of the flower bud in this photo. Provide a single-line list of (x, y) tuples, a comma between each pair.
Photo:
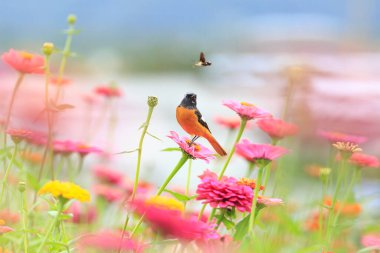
[(48, 48), (21, 186), (324, 173), (71, 19), (152, 101)]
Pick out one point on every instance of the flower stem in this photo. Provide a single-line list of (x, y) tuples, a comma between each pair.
[(24, 211), (188, 178), (179, 165), (252, 218), (51, 227), (7, 172)]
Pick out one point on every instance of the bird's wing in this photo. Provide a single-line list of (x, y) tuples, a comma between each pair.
[(202, 57), (200, 120)]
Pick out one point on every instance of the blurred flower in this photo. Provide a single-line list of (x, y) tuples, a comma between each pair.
[(165, 203), (108, 241), (19, 135), (5, 229), (312, 222), (195, 151), (9, 217), (341, 137), (143, 187), (229, 122), (82, 214), (32, 157), (24, 62), (107, 175), (224, 244), (90, 99), (172, 223), (4, 250), (249, 182), (246, 110), (266, 201), (59, 81), (277, 128), (108, 91), (254, 152), (371, 240), (347, 209), (66, 190), (108, 192), (346, 149), (68, 147), (363, 160), (224, 193)]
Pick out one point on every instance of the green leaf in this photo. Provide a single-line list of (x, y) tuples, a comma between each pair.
[(228, 224), (126, 152), (179, 196), (151, 135), (171, 149), (242, 228)]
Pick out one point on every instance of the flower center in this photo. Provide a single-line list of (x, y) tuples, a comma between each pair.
[(165, 202), (246, 104), (249, 182), (26, 55), (197, 148)]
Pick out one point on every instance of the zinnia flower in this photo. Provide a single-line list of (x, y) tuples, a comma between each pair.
[(347, 209), (65, 190), (341, 137), (246, 110), (371, 240), (363, 160), (229, 122), (19, 135), (9, 217), (24, 62), (266, 201), (224, 193), (59, 82), (108, 91), (68, 147), (5, 229), (195, 151), (277, 128), (254, 152), (172, 223), (108, 175), (108, 241)]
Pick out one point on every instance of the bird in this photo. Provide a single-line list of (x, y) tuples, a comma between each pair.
[(202, 61), (190, 119)]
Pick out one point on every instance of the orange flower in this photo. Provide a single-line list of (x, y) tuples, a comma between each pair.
[(24, 62), (347, 209), (33, 157)]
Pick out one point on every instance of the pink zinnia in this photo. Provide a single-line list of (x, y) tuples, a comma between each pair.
[(68, 147), (82, 213), (371, 240), (246, 110), (229, 122), (269, 201), (108, 91), (19, 135), (172, 223), (253, 152), (108, 175), (363, 160), (108, 241), (334, 137), (5, 229), (195, 151), (224, 193), (109, 193), (277, 128), (24, 62)]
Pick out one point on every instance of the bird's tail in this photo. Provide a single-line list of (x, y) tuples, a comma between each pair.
[(216, 145)]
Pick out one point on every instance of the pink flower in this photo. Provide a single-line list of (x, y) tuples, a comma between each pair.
[(269, 201), (224, 193), (277, 128), (108, 241), (363, 160), (253, 152), (19, 135), (108, 91), (108, 175), (5, 229), (82, 213), (109, 193), (59, 82), (9, 217), (68, 147), (195, 151), (334, 137), (224, 244), (246, 110), (371, 240), (24, 62), (171, 223), (229, 122)]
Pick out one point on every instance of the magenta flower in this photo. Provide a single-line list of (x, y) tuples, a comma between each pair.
[(195, 151), (172, 223), (24, 62), (363, 160), (108, 241), (277, 128), (224, 193), (246, 110), (108, 175), (253, 152), (334, 137)]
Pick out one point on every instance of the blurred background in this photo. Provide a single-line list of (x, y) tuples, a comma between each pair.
[(325, 52)]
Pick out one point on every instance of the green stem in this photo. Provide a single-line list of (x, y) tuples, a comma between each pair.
[(251, 166), (320, 218), (252, 218), (51, 227), (24, 211), (266, 177), (7, 172), (179, 165), (188, 178)]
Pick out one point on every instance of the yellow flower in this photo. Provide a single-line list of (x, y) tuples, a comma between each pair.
[(165, 202), (65, 190)]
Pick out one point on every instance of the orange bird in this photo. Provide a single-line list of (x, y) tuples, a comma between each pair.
[(190, 119)]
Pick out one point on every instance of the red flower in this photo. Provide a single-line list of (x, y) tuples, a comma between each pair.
[(108, 241), (277, 128), (224, 193), (253, 152), (24, 62), (334, 137), (108, 175), (195, 151), (363, 160), (171, 223), (246, 110), (108, 91), (229, 122)]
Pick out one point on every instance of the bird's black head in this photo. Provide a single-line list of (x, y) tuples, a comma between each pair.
[(189, 101)]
